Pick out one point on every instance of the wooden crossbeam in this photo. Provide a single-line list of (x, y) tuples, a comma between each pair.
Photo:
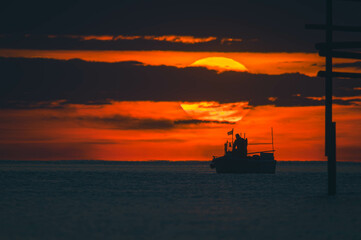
[(339, 54), (339, 45), (349, 0), (339, 74), (334, 27)]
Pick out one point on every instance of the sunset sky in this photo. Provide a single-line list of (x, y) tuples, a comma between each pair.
[(166, 80)]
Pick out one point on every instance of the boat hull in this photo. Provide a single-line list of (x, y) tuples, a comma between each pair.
[(228, 164)]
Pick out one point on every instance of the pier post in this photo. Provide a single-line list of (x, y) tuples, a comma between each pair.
[(326, 49), (330, 136), (331, 164)]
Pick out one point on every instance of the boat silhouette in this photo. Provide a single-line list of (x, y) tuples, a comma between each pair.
[(240, 161)]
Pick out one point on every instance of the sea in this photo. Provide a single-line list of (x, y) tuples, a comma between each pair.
[(176, 200)]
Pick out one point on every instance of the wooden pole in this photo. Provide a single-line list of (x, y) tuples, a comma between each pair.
[(329, 125), (332, 163)]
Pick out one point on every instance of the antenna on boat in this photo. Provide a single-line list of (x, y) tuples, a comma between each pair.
[(272, 138)]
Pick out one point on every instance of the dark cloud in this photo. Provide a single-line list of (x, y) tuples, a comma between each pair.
[(159, 17), (356, 65), (50, 83), (124, 122), (197, 121), (128, 123), (277, 25), (43, 42)]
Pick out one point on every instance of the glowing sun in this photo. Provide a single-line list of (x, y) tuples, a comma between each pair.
[(214, 111), (220, 64)]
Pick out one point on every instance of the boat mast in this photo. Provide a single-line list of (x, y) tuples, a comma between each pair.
[(272, 138)]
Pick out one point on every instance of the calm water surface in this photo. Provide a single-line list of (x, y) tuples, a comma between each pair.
[(179, 200)]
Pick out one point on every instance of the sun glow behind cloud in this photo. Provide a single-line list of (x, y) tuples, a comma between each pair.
[(220, 64), (232, 112)]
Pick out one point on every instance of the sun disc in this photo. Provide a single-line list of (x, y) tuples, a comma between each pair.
[(220, 64)]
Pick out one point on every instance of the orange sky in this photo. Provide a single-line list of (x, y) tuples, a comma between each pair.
[(58, 110), (85, 132), (110, 132), (268, 63)]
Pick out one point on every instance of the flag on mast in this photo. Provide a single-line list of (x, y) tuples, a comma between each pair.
[(230, 132)]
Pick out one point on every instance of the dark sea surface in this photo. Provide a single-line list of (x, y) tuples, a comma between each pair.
[(176, 200)]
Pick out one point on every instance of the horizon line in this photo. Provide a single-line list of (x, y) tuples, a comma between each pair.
[(152, 160)]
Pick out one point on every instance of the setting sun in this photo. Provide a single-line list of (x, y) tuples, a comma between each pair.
[(231, 112), (220, 64)]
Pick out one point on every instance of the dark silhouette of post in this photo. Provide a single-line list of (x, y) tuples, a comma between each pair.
[(326, 50), (330, 126)]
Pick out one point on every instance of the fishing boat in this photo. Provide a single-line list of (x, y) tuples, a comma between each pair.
[(244, 162)]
